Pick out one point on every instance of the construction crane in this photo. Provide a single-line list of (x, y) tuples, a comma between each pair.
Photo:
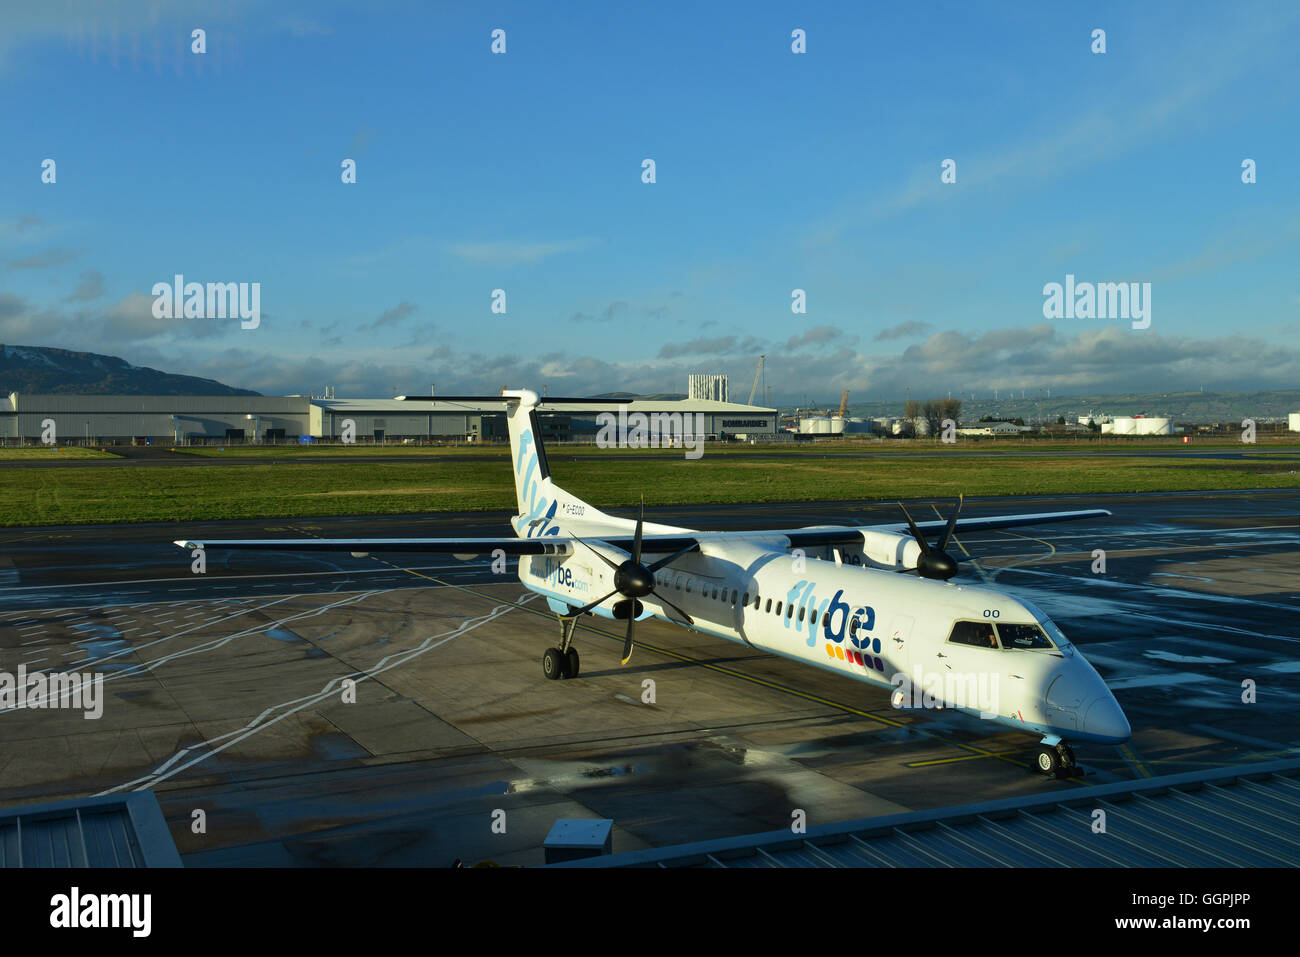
[(757, 372), (844, 403)]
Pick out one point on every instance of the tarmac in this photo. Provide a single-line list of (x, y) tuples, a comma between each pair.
[(226, 692)]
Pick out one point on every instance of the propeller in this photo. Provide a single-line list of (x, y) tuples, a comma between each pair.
[(934, 561), (633, 581)]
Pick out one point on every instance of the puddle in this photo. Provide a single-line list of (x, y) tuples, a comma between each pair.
[(97, 650)]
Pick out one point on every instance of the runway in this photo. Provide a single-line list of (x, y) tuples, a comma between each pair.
[(131, 456), (224, 692)]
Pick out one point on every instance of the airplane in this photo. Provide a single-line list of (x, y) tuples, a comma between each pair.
[(874, 603)]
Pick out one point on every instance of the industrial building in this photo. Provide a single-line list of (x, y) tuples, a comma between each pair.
[(994, 428), (212, 420), (701, 386), (1137, 425)]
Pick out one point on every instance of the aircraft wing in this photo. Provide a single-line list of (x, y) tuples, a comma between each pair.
[(652, 544), (546, 545), (991, 522), (813, 536), (454, 546)]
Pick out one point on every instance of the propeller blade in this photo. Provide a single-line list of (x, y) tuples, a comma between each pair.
[(667, 604), (916, 532), (636, 542), (631, 625), (586, 608), (952, 523), (674, 556)]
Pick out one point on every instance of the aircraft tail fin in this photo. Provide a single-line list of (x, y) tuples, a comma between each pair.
[(538, 497)]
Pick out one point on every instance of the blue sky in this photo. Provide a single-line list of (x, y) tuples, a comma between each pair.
[(775, 171)]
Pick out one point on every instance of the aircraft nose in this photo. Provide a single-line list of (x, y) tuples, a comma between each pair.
[(1105, 720)]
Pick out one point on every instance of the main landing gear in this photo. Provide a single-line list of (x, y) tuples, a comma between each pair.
[(1055, 758), (562, 662)]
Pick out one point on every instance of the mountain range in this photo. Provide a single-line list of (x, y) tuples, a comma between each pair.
[(39, 370)]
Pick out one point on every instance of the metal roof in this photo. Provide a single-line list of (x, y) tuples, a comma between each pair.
[(555, 404), (1246, 816), (111, 831), (94, 404)]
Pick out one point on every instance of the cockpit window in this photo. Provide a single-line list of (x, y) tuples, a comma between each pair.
[(976, 633), (1023, 637), (1053, 632)]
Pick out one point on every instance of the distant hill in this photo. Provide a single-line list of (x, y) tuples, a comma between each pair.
[(37, 370), (638, 397)]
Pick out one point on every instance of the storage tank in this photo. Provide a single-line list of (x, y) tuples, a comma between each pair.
[(1154, 425), (1293, 421), (1108, 428), (815, 425), (837, 425), (1124, 425)]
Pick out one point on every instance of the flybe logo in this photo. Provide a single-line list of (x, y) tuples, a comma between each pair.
[(843, 628)]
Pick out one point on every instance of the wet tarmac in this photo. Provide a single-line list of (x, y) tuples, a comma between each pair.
[(227, 692)]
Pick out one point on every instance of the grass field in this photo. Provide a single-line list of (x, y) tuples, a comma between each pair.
[(35, 454), (166, 493)]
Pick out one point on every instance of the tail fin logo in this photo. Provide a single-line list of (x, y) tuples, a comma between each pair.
[(537, 508)]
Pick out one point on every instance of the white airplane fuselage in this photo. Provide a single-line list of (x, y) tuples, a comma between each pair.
[(868, 623)]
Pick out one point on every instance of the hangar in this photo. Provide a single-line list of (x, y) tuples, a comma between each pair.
[(123, 419), (214, 420)]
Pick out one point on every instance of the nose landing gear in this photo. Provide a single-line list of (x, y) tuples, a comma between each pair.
[(562, 662), (1055, 758)]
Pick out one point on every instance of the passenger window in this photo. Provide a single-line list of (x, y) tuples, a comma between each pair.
[(802, 611), (853, 627), (734, 594), (826, 619), (778, 608), (978, 634), (789, 610), (746, 601), (769, 604)]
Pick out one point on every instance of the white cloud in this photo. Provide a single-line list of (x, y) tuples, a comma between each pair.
[(513, 253)]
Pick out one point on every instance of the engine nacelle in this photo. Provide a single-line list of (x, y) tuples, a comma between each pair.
[(890, 549)]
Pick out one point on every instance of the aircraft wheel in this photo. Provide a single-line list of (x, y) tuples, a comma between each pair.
[(571, 663), (553, 664), (1067, 756), (1048, 760)]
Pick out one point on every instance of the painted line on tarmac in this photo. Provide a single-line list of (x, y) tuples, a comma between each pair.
[(171, 767)]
